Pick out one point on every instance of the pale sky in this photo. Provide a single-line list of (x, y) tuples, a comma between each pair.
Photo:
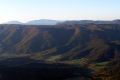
[(25, 10)]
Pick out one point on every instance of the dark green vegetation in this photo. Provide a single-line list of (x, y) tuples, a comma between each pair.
[(92, 46), (41, 71)]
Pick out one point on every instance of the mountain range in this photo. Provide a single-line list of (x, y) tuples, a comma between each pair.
[(35, 22), (54, 22), (95, 46)]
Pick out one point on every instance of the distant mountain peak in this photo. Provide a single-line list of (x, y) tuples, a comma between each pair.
[(43, 22), (13, 22)]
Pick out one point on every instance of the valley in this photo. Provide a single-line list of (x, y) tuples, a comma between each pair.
[(65, 49)]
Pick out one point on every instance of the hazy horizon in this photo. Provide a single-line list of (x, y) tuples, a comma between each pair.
[(26, 10)]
